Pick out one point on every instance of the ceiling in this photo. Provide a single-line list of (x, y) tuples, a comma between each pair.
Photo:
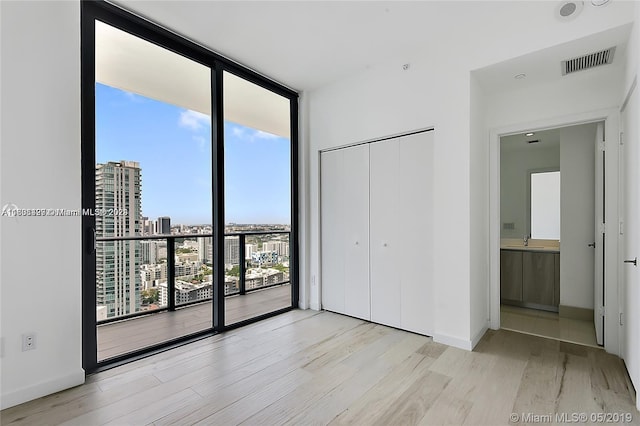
[(547, 139), (308, 44)]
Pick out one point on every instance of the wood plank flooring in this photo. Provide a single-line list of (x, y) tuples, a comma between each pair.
[(317, 368), (118, 338)]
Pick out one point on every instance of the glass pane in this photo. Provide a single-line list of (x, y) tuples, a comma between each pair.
[(257, 199), (153, 179), (545, 205)]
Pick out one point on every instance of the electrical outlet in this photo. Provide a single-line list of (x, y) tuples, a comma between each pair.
[(28, 342)]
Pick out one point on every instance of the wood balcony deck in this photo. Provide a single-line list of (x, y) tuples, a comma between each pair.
[(118, 338)]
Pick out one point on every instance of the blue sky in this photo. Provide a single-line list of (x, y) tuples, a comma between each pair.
[(172, 145)]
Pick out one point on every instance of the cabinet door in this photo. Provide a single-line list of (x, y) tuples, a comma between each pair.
[(538, 278), (332, 230), (511, 275), (414, 225), (384, 250), (355, 232), (556, 283)]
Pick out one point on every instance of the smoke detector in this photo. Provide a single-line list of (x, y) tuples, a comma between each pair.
[(569, 10)]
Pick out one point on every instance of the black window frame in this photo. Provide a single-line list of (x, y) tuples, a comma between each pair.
[(156, 34)]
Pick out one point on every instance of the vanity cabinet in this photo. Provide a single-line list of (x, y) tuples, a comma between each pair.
[(511, 275), (530, 278), (538, 278)]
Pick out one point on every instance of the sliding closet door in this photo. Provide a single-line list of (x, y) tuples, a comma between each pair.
[(345, 231), (415, 265), (385, 228)]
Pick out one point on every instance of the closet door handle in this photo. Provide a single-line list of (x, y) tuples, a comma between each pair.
[(593, 244), (634, 261)]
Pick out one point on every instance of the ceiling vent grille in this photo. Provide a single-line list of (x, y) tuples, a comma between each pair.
[(590, 60)]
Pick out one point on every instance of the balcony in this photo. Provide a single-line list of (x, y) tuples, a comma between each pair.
[(136, 275)]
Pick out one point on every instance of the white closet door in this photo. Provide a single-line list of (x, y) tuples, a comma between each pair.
[(355, 212), (331, 201), (385, 246), (415, 265), (345, 231)]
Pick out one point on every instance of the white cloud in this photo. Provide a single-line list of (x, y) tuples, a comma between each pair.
[(194, 120), (202, 142)]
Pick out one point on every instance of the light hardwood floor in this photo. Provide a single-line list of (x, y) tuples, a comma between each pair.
[(306, 367), (548, 324), (118, 338)]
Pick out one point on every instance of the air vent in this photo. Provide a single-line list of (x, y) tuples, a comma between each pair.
[(588, 61)]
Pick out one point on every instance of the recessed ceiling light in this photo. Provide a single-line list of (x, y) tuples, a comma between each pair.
[(568, 10), (529, 134), (519, 76), (599, 2)]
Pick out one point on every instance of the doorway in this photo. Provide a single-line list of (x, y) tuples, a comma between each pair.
[(566, 310), (547, 196)]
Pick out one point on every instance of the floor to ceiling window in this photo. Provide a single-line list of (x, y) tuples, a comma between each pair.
[(188, 190)]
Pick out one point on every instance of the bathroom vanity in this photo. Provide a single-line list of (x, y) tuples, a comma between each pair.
[(530, 275)]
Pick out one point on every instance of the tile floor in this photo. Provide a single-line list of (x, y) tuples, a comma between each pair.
[(547, 324)]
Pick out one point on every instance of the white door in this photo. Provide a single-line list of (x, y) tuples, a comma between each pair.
[(355, 212), (332, 225), (345, 230), (415, 266), (598, 294), (631, 238), (385, 228)]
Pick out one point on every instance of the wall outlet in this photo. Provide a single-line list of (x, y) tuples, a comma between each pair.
[(28, 342)]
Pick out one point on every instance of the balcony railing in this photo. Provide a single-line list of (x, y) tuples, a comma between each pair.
[(232, 287)]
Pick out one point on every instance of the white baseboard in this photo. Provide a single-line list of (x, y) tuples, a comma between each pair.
[(478, 335), (28, 393), (453, 341), (315, 306)]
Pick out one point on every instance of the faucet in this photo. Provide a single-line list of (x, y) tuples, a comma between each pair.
[(526, 240)]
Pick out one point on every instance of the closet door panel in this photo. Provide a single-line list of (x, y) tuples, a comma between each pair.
[(415, 224), (385, 240), (355, 213), (332, 230)]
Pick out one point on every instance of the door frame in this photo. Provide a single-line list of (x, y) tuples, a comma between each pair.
[(611, 117)]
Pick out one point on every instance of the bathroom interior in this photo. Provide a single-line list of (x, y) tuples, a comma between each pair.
[(548, 201)]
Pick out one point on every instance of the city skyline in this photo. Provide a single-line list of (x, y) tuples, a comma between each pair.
[(170, 144)]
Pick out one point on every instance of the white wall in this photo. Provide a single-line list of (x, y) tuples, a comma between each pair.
[(40, 274), (577, 169), (479, 202), (514, 168), (630, 294)]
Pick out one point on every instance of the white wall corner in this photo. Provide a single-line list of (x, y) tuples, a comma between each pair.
[(476, 338), (44, 388), (456, 342)]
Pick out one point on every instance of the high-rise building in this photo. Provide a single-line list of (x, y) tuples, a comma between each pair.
[(280, 247), (163, 225), (118, 283), (249, 249), (231, 250), (204, 252), (148, 252)]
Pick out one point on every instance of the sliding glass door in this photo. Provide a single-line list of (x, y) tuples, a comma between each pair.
[(187, 198)]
